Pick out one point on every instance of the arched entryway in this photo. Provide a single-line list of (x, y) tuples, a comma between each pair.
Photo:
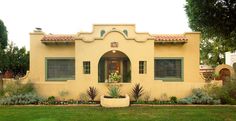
[(114, 61), (224, 75)]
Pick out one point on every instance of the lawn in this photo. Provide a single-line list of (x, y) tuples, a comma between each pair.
[(78, 113)]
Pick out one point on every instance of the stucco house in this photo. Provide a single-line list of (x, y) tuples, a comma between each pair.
[(162, 64), (230, 58)]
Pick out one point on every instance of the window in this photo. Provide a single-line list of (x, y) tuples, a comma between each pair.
[(60, 69), (125, 32), (168, 69), (86, 65), (102, 33), (142, 67)]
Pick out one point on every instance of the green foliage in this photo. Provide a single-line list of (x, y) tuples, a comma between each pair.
[(184, 101), (234, 66), (114, 91), (227, 93), (14, 59), (216, 20), (1, 93), (51, 100), (173, 99), (63, 94), (137, 91), (201, 96), (83, 97), (3, 35), (212, 52), (22, 99), (92, 93), (114, 77), (16, 93), (16, 88)]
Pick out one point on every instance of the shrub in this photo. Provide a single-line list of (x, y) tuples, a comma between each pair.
[(184, 101), (1, 93), (173, 99), (51, 100), (212, 90), (114, 91), (92, 93), (63, 94), (22, 99), (137, 91), (228, 93), (83, 98), (199, 96), (16, 88), (164, 97), (147, 97)]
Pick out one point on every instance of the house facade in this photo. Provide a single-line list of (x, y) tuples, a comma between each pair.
[(162, 64), (230, 58)]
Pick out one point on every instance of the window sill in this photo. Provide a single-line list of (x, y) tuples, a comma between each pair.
[(114, 83), (170, 79), (60, 79)]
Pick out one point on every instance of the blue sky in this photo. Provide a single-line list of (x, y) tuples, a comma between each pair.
[(72, 16)]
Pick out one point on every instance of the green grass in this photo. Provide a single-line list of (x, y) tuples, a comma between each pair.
[(76, 113)]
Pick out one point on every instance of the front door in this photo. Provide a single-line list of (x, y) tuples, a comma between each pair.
[(113, 66)]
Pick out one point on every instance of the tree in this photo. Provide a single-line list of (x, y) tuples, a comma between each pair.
[(216, 19), (212, 52), (14, 60), (3, 35)]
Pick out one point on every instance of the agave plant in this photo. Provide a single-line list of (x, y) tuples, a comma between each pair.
[(114, 91), (92, 93), (137, 91)]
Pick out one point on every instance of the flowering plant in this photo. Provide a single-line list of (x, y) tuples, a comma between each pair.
[(114, 77)]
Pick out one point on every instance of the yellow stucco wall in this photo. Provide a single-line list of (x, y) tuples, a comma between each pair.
[(137, 46)]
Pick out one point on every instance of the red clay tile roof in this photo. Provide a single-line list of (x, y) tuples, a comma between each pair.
[(58, 38), (170, 38)]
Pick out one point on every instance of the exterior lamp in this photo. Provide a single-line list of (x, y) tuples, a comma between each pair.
[(113, 51)]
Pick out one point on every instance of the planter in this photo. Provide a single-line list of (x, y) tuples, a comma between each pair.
[(115, 102)]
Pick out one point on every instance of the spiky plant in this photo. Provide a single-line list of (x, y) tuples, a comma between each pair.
[(92, 93), (114, 91), (137, 91)]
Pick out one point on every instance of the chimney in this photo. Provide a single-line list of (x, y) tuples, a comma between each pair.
[(38, 29)]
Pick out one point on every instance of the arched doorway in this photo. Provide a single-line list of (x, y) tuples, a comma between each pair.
[(224, 75), (114, 61)]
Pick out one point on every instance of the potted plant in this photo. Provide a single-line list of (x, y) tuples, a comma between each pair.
[(114, 78), (114, 98)]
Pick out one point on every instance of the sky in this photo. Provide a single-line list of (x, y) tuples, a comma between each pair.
[(72, 16)]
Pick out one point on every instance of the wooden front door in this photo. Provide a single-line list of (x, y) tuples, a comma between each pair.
[(224, 75)]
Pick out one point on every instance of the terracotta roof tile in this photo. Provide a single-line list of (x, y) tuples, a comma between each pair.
[(170, 38), (57, 38)]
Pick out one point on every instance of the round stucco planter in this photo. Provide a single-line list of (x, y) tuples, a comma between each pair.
[(115, 102)]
